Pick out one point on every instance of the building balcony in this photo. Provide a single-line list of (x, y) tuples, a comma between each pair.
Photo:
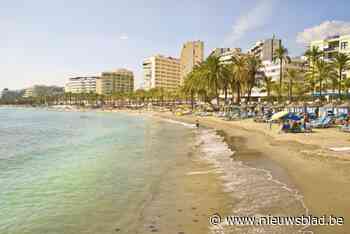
[(331, 49)]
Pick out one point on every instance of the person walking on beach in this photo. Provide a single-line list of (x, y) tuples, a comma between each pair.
[(197, 123)]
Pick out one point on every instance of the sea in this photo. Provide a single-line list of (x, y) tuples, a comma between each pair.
[(96, 172)]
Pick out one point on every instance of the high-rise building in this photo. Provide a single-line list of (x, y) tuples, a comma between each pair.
[(121, 80), (81, 85), (192, 54), (225, 54), (161, 72), (265, 49)]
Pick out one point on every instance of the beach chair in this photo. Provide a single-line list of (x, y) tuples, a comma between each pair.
[(345, 128), (323, 122)]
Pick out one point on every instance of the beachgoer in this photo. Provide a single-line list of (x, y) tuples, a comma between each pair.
[(317, 110), (197, 123), (285, 126)]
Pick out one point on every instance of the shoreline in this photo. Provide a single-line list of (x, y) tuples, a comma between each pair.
[(323, 180), (301, 161)]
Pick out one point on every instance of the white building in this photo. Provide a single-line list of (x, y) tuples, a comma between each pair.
[(272, 69), (265, 49), (226, 54), (81, 85), (4, 92), (29, 92)]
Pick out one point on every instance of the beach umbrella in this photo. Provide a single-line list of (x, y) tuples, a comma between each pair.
[(292, 116), (279, 115)]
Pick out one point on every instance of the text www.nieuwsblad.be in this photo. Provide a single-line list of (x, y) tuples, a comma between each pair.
[(304, 220)]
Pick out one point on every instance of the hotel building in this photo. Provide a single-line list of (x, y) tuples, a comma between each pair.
[(81, 85), (192, 54), (265, 49), (226, 54), (4, 92), (333, 45), (272, 69), (29, 92), (161, 72), (120, 80)]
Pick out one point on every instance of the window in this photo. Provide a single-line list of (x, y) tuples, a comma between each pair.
[(344, 45)]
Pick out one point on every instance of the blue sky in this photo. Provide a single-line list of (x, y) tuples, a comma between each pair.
[(46, 42)]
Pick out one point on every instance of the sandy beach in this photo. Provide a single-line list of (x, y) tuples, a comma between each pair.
[(301, 160)]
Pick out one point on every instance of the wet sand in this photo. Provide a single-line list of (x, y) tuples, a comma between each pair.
[(322, 178), (184, 200)]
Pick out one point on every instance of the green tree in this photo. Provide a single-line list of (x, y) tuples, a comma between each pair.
[(324, 71), (267, 85), (341, 63), (313, 54), (281, 55), (239, 73), (292, 76), (254, 65)]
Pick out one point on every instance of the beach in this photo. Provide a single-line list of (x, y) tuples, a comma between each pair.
[(303, 160), (177, 182)]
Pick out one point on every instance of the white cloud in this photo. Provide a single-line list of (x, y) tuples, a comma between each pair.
[(124, 37), (325, 29), (255, 18)]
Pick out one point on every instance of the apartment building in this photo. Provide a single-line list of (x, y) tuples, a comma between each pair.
[(81, 85), (333, 45), (120, 80), (192, 54), (161, 72), (272, 69), (28, 92), (4, 92), (265, 49), (226, 54)]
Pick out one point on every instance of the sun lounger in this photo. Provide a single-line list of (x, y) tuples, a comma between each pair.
[(345, 128), (323, 122)]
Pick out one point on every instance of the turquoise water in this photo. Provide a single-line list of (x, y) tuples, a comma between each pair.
[(70, 172)]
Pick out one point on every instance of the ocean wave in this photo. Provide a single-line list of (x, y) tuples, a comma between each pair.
[(179, 122), (255, 191)]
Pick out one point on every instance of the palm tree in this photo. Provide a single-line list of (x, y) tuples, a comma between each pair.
[(324, 71), (281, 55), (313, 54), (346, 83), (341, 63), (225, 80), (213, 71), (293, 76), (267, 85), (190, 86), (254, 65), (239, 72)]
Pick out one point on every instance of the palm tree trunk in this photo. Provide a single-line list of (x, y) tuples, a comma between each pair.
[(281, 79), (339, 83), (238, 93), (225, 93), (320, 88), (192, 100), (291, 90)]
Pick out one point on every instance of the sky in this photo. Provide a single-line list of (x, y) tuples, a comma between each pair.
[(46, 42)]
